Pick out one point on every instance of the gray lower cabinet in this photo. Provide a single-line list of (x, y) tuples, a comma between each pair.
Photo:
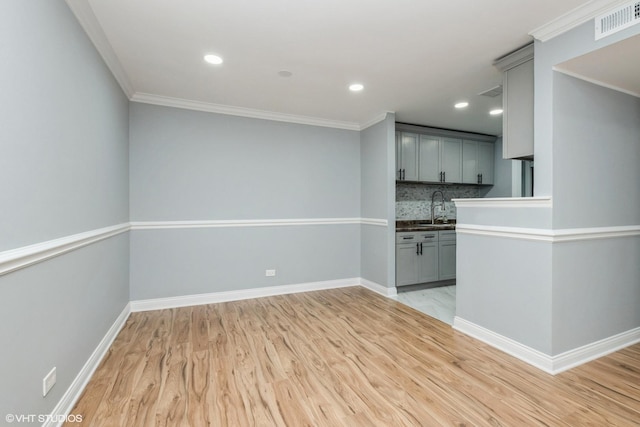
[(447, 255), (422, 258)]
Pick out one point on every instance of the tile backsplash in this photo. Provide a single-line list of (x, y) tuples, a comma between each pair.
[(413, 201)]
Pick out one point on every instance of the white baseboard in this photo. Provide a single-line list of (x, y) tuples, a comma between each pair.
[(578, 356), (215, 297), (71, 396), (550, 364), (211, 298), (376, 287), (520, 351)]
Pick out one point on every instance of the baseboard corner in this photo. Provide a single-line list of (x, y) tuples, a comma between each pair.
[(72, 394)]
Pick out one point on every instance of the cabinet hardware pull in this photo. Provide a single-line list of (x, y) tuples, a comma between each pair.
[(417, 248), (407, 238), (444, 176), (420, 248), (480, 178), (403, 174)]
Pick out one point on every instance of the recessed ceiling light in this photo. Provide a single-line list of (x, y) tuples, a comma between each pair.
[(461, 104), (356, 87), (213, 59), (496, 112)]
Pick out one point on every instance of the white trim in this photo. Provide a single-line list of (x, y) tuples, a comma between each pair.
[(209, 107), (84, 14), (157, 225), (505, 202), (514, 59), (15, 259), (595, 82), (574, 18), (586, 353), (550, 364), (71, 396), (378, 288), (374, 221), (526, 354), (375, 120), (242, 294), (507, 232), (552, 236)]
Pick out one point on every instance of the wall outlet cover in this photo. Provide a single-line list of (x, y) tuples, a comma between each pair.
[(48, 382), (270, 273)]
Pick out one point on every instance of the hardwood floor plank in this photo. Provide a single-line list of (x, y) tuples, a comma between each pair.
[(171, 409), (341, 357)]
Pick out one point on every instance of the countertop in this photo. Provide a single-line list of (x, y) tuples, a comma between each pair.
[(424, 225)]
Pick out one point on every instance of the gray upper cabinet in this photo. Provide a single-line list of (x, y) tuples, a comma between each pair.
[(477, 162), (429, 159), (470, 162), (407, 156), (517, 103), (440, 159), (437, 157), (451, 160), (485, 162)]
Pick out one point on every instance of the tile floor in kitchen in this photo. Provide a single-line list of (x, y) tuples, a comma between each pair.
[(436, 302)]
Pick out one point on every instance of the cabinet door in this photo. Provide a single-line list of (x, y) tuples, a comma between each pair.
[(398, 158), (451, 159), (517, 118), (429, 170), (409, 156), (406, 264), (428, 263), (470, 162), (485, 162), (447, 261)]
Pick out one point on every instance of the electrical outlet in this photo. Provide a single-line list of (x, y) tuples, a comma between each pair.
[(270, 273), (48, 382)]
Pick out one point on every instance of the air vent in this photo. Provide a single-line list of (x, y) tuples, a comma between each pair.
[(617, 20), (493, 92)]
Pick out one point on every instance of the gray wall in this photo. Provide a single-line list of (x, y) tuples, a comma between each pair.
[(564, 47), (596, 155), (64, 170), (377, 246), (504, 285), (502, 174), (64, 133), (188, 165), (587, 151)]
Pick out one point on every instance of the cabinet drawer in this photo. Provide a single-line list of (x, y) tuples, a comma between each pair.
[(447, 235), (417, 237)]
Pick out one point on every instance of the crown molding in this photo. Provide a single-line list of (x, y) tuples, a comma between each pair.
[(573, 18), (515, 58), (187, 104), (83, 12), (375, 120)]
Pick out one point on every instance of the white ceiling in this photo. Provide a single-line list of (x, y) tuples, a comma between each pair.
[(415, 58), (616, 66)]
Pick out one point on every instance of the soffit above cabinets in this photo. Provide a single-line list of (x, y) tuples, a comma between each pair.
[(414, 58)]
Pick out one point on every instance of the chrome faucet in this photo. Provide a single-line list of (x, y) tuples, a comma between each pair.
[(433, 206)]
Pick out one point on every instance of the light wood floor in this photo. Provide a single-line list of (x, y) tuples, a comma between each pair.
[(345, 357)]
